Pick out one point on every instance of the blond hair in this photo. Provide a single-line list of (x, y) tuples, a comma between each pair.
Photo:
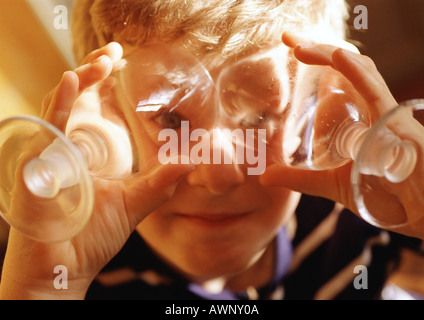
[(226, 27)]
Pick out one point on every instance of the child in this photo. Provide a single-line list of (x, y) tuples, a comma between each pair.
[(208, 231)]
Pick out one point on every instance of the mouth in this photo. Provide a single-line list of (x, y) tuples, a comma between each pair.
[(214, 219)]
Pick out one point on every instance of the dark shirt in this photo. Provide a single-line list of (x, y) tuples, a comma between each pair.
[(333, 255)]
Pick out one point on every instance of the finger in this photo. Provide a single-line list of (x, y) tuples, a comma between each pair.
[(145, 193), (315, 54), (96, 67), (99, 64), (292, 39), (62, 100), (46, 102), (301, 44), (94, 72), (113, 50), (72, 84), (309, 51), (305, 181), (330, 184), (362, 72)]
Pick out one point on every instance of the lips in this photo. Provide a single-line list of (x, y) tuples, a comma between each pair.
[(213, 218)]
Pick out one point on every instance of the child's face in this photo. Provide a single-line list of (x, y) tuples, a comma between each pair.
[(217, 222), (220, 218)]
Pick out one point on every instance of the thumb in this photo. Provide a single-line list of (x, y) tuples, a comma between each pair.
[(331, 184), (144, 193)]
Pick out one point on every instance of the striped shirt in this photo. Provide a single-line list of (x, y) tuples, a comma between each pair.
[(330, 249)]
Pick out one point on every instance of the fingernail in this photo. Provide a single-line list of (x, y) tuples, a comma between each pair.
[(346, 53), (116, 51), (66, 74), (101, 59), (305, 46)]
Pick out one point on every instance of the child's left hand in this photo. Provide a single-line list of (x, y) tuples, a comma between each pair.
[(335, 184)]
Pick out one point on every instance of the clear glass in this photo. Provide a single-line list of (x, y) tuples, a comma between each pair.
[(163, 84), (325, 121), (326, 124), (59, 183), (221, 112), (53, 170), (387, 174)]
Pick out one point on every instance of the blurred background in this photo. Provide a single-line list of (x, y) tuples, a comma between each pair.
[(34, 54), (31, 61), (395, 41)]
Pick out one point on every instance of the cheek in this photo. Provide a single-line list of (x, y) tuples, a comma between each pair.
[(282, 205)]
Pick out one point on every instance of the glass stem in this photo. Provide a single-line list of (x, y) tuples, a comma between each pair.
[(56, 169), (350, 139), (387, 155)]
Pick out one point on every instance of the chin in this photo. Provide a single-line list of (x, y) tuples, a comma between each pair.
[(215, 261), (212, 268)]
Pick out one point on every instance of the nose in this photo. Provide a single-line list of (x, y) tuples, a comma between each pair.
[(222, 172), (217, 178)]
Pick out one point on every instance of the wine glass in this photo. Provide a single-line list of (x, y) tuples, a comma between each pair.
[(55, 169), (327, 125), (325, 122)]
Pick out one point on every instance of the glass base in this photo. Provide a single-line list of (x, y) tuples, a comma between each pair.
[(386, 176), (31, 198)]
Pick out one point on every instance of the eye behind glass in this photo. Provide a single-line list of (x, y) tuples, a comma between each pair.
[(169, 120), (254, 120)]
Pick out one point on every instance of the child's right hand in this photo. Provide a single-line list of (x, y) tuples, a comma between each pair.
[(28, 270)]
